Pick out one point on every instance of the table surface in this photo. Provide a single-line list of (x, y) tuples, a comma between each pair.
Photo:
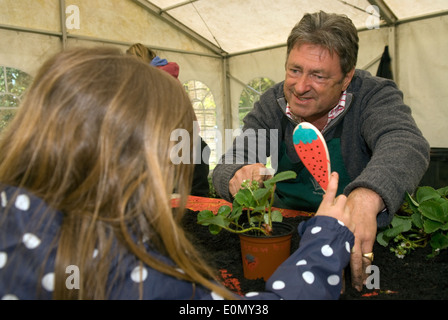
[(196, 203)]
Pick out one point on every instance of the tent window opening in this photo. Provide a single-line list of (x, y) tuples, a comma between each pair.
[(204, 106), (251, 94), (13, 84)]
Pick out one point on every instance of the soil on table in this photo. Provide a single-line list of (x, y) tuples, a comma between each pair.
[(414, 277)]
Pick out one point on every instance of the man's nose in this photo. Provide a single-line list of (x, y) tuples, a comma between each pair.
[(302, 84)]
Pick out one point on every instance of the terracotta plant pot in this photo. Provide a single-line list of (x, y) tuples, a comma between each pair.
[(261, 255)]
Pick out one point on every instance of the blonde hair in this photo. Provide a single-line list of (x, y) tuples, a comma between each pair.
[(142, 52), (92, 139)]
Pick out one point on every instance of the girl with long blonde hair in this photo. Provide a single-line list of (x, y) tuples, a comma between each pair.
[(86, 178), (92, 140)]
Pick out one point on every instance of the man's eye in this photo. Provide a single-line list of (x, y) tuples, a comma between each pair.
[(319, 78)]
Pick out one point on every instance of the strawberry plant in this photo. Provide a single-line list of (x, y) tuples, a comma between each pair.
[(251, 208), (422, 220)]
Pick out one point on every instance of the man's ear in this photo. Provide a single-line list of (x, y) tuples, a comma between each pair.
[(347, 79)]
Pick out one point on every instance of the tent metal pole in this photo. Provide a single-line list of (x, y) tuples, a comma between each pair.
[(227, 110), (30, 30), (151, 8), (181, 4), (385, 12), (63, 26), (93, 39)]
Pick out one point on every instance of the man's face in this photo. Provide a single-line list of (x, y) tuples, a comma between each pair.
[(314, 81)]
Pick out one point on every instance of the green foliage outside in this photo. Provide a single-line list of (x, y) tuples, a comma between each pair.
[(250, 96), (13, 84)]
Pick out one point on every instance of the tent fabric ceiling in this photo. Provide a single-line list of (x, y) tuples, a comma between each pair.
[(236, 26)]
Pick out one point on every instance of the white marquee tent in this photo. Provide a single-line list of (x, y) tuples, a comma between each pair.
[(225, 44)]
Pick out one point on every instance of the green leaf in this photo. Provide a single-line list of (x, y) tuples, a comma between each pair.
[(417, 220), (224, 210), (401, 222), (266, 218), (399, 225), (204, 216), (432, 209), (430, 226), (413, 205), (255, 219), (281, 176), (382, 239), (244, 198), (214, 229), (262, 194), (444, 207), (236, 213), (426, 193), (259, 209), (443, 191), (276, 216), (439, 241)]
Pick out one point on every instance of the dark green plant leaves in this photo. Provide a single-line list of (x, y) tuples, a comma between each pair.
[(426, 193), (253, 199), (398, 225), (422, 219)]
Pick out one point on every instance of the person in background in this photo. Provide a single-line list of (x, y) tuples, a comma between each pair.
[(149, 56), (373, 140), (86, 177), (200, 182)]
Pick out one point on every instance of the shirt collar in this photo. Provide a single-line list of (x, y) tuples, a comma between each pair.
[(333, 113)]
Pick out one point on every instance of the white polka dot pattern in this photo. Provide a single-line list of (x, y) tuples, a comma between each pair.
[(308, 276), (139, 274), (3, 259), (278, 285), (48, 282), (316, 230), (30, 241), (22, 202), (322, 249), (333, 280), (216, 296), (301, 262), (326, 249), (347, 246), (252, 294), (3, 199)]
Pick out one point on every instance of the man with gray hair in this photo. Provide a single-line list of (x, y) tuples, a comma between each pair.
[(372, 138)]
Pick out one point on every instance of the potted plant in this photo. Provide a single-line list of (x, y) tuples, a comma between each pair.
[(265, 240), (421, 220)]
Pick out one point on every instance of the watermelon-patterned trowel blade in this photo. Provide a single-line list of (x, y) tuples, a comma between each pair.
[(312, 149)]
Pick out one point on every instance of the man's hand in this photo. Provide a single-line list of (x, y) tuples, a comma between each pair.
[(364, 205), (256, 171), (333, 206)]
